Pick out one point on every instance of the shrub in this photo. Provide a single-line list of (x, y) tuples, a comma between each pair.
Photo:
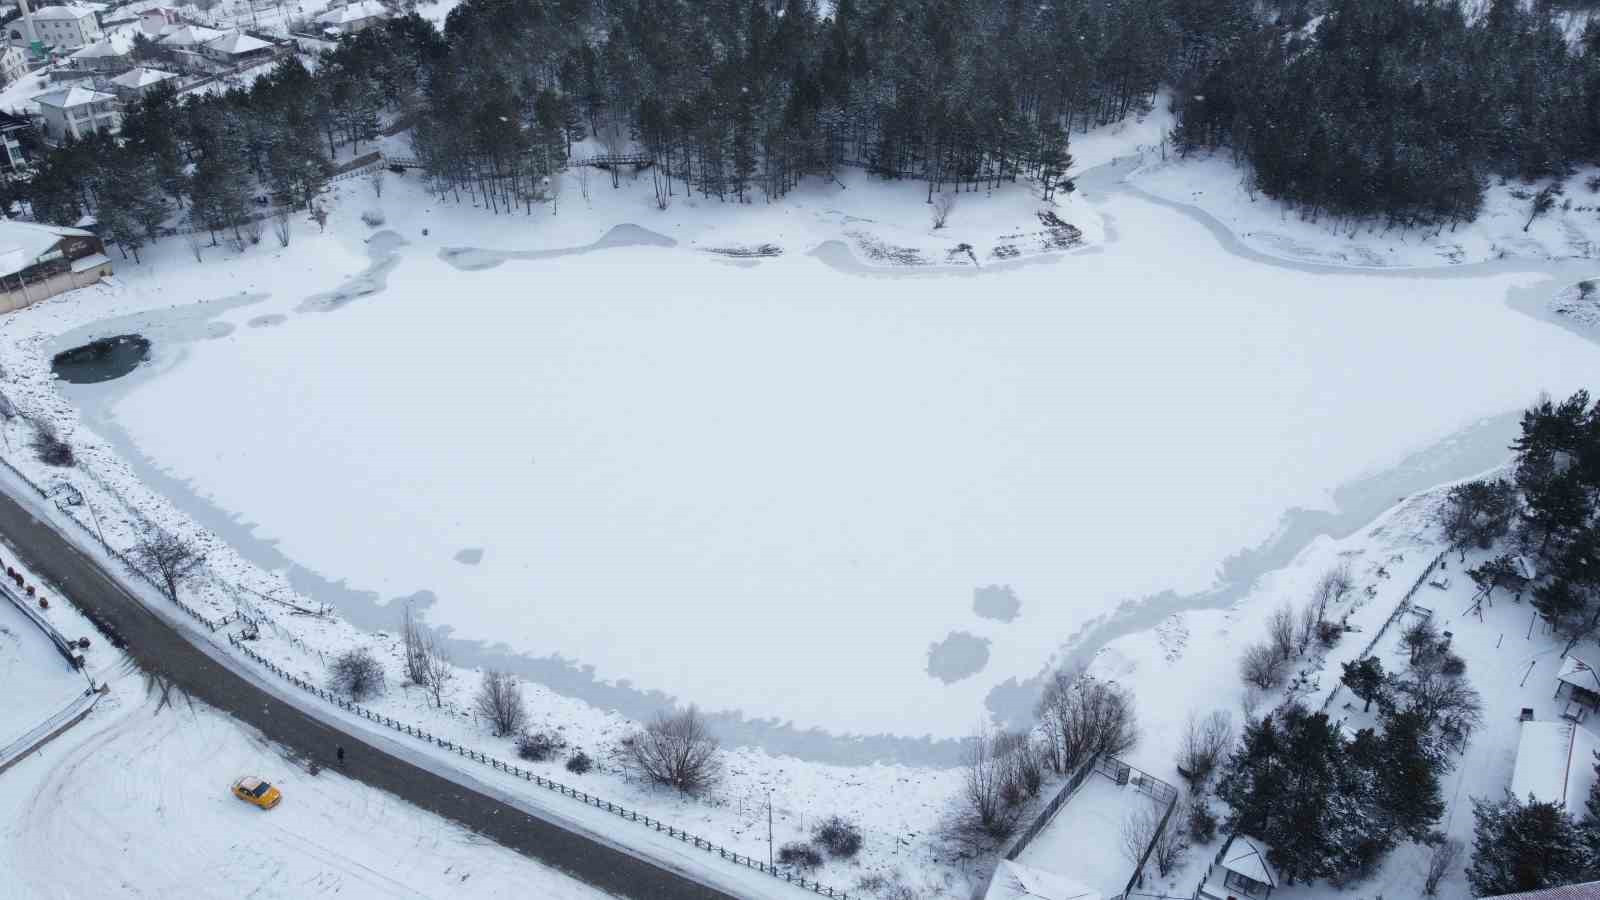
[(1453, 665), (839, 837), (1261, 666), (1082, 717), (1585, 289), (1202, 823), (1329, 633), (52, 450), (373, 218), (537, 746), (800, 855), (579, 763), (1204, 743), (356, 673), (675, 750)]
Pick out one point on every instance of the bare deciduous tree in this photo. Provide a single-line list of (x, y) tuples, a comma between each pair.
[(1305, 629), (1024, 765), (582, 174), (676, 750), (1331, 588), (1205, 741), (280, 227), (500, 701), (1261, 666), (320, 216), (1083, 717), (356, 672), (1280, 631), (192, 240), (376, 180), (1142, 829), (414, 646), (942, 205), (1444, 857), (437, 669), (165, 558), (984, 810)]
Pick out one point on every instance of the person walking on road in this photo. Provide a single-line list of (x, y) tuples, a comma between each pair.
[(339, 753)]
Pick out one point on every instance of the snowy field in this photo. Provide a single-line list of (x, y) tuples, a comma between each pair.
[(760, 487), (37, 681), (83, 817)]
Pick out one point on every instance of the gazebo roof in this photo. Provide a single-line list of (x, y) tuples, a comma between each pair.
[(1578, 673), (1248, 857)]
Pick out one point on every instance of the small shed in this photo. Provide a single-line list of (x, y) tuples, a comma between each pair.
[(1555, 764), (1578, 680), (1015, 881), (1241, 870)]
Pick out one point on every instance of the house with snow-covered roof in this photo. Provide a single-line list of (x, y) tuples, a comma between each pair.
[(235, 48), (187, 37), (1240, 870), (137, 82), (111, 53), (1015, 881), (67, 27), (156, 18), (77, 112), (354, 17), (1555, 764), (39, 261)]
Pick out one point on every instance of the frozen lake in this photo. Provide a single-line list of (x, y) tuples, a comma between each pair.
[(858, 504)]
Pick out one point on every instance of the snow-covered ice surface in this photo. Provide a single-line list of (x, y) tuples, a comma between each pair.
[(797, 477), (135, 802), (770, 485)]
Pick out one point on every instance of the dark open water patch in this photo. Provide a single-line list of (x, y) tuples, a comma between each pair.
[(960, 655), (102, 359)]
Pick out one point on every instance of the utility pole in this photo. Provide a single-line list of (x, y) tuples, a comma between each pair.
[(769, 828)]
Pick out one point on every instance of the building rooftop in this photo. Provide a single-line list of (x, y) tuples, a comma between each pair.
[(1248, 857), (1589, 890), (111, 47), (23, 242), (141, 77), (188, 35), (354, 12), (237, 42), (1555, 764), (72, 97), (70, 12), (1014, 881)]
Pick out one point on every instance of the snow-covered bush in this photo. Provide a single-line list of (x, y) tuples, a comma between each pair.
[(1202, 824), (373, 218), (579, 763), (800, 855), (1261, 666), (676, 750), (839, 836), (357, 673), (537, 746), (51, 450)]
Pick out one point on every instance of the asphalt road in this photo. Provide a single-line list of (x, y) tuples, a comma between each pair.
[(157, 647)]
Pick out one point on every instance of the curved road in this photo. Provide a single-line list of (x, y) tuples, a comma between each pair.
[(156, 646)]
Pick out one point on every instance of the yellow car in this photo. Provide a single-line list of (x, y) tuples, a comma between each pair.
[(255, 791)]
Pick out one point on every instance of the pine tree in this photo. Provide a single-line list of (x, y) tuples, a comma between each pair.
[(1523, 847)]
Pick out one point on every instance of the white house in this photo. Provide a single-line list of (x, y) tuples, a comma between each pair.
[(1240, 870), (67, 27), (354, 17), (1015, 881), (136, 82), (111, 53), (13, 63), (77, 111), (1555, 764)]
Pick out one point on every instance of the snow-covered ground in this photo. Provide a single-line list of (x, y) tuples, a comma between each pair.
[(1211, 182), (135, 802), (767, 484), (37, 680)]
